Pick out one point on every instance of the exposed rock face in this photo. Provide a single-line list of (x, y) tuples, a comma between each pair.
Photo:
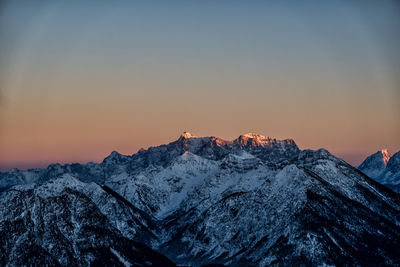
[(201, 200), (383, 168)]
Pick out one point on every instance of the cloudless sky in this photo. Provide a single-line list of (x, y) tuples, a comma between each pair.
[(79, 79)]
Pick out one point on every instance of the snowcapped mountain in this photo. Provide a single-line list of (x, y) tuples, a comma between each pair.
[(383, 168), (375, 165), (201, 200)]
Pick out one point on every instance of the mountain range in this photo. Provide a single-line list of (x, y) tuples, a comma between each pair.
[(252, 201)]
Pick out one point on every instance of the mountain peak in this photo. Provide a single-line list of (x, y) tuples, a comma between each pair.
[(375, 164), (254, 135), (254, 139), (385, 156), (115, 157), (187, 135), (383, 168)]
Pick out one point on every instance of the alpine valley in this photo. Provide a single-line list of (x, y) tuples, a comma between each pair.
[(252, 201)]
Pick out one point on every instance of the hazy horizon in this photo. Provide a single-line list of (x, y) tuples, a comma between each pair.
[(79, 80)]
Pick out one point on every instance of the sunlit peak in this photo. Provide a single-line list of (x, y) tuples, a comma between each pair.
[(386, 156), (187, 135)]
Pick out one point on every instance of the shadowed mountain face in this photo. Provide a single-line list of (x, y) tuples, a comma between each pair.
[(383, 168), (201, 200)]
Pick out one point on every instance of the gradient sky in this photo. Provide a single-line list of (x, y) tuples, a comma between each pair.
[(78, 80)]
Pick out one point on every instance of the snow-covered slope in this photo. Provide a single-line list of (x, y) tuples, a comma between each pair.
[(383, 168), (70, 223), (201, 200)]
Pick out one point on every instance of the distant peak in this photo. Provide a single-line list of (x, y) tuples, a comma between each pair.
[(385, 156), (114, 153), (115, 156), (187, 135), (378, 160), (255, 136), (261, 140)]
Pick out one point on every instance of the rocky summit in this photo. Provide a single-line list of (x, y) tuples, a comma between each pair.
[(252, 201)]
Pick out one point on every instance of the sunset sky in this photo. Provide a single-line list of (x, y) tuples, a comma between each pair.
[(79, 80)]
